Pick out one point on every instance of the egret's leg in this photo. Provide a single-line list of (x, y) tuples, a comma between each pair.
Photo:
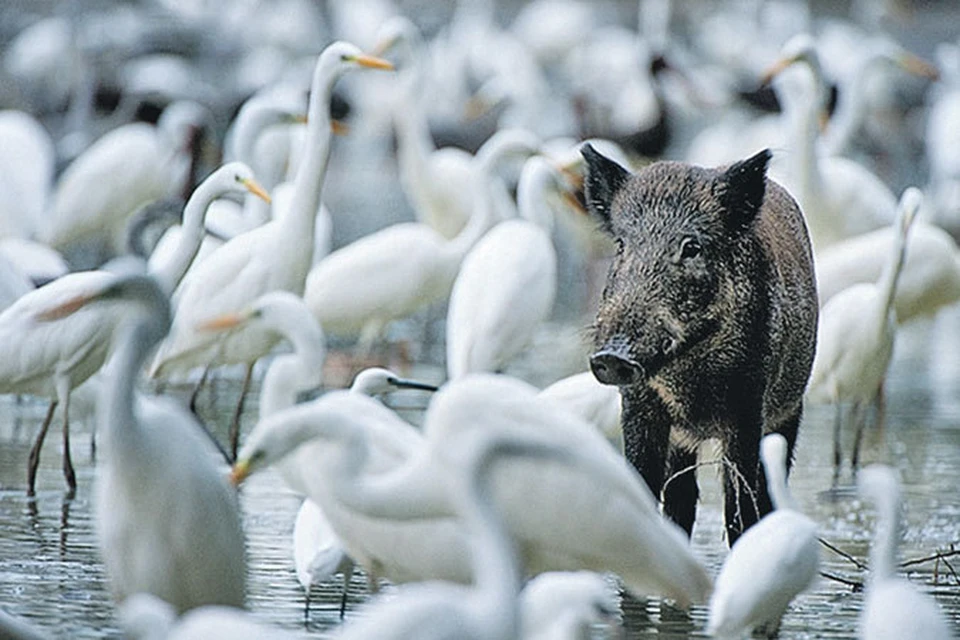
[(837, 424), (235, 424), (68, 471), (196, 390), (368, 337), (34, 460), (880, 401), (347, 574), (306, 606), (860, 422)]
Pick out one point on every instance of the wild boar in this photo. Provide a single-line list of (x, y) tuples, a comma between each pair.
[(707, 322)]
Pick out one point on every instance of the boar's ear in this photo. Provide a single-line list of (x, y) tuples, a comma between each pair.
[(744, 184), (604, 179)]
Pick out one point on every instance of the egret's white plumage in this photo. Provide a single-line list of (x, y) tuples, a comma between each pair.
[(771, 563), (127, 167), (603, 521), (387, 275), (507, 283), (856, 333), (892, 607), (27, 159), (489, 607), (167, 522), (595, 403)]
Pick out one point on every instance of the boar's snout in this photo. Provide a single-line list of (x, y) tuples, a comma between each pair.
[(612, 366)]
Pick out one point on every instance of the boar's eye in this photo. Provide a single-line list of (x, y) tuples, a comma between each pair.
[(689, 248)]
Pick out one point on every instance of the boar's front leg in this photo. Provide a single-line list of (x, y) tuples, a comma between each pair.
[(681, 493), (744, 485), (646, 434)]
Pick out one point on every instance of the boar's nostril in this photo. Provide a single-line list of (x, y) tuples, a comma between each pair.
[(611, 368)]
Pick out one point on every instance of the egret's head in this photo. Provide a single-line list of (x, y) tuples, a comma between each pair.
[(242, 177), (376, 380)]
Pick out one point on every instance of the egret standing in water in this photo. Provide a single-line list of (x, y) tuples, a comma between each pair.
[(507, 284), (274, 256), (167, 521), (856, 335), (892, 607)]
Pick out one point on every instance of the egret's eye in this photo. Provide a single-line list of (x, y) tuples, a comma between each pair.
[(238, 178), (689, 248)]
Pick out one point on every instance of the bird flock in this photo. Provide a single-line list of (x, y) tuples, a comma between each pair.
[(190, 189)]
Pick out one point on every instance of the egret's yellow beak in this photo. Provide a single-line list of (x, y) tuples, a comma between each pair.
[(64, 309), (239, 472), (373, 62), (775, 69), (254, 187), (918, 66), (224, 322)]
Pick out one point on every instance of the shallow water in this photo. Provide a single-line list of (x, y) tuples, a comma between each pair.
[(51, 573)]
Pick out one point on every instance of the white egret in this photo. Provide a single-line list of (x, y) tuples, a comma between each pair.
[(839, 197), (167, 522), (942, 140), (489, 607), (436, 181), (146, 617), (892, 607), (52, 358), (274, 256), (595, 403), (127, 167), (390, 274), (771, 563), (318, 552), (507, 283), (856, 334)]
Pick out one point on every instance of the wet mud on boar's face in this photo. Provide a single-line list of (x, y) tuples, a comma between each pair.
[(707, 321)]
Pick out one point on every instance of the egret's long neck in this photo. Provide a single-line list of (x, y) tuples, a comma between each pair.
[(802, 96), (496, 566), (849, 114), (252, 120), (414, 142), (192, 231), (883, 552), (531, 198), (776, 474), (116, 419), (280, 384), (887, 283), (483, 214), (297, 226)]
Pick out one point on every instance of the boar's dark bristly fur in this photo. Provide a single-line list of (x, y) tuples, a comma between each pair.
[(707, 322)]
